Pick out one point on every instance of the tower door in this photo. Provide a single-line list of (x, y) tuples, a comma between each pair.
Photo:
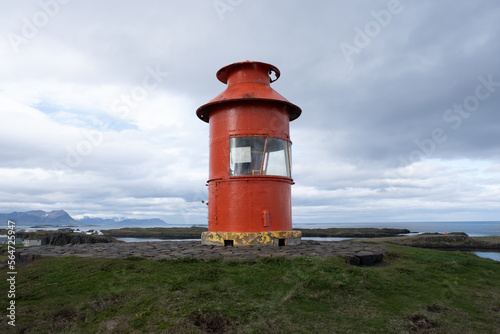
[(212, 204)]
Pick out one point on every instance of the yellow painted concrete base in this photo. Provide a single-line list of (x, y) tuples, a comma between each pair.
[(276, 238)]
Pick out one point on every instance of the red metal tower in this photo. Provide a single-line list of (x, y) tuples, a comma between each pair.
[(249, 184)]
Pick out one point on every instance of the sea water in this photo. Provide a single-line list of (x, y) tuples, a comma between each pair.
[(472, 228), (488, 255)]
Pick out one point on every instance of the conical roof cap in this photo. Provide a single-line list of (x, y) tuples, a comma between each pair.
[(248, 81)]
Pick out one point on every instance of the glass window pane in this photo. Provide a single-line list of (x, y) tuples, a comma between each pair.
[(277, 161), (246, 155), (289, 158)]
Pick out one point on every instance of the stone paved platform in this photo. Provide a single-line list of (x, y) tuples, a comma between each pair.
[(357, 253)]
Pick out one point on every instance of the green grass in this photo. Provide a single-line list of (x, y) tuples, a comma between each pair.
[(422, 291)]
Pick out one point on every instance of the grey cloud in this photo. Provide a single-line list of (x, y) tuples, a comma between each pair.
[(359, 117)]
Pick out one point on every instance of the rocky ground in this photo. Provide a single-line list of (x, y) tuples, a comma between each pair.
[(451, 241), (61, 238), (355, 253), (195, 232)]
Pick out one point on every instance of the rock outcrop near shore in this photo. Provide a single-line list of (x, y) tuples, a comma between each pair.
[(451, 241), (352, 232), (60, 238)]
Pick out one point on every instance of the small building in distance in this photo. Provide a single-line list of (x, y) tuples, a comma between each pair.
[(32, 242)]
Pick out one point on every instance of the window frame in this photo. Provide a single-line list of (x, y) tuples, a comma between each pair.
[(287, 152)]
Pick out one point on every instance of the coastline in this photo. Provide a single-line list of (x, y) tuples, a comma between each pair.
[(471, 228), (452, 241), (448, 241), (195, 232)]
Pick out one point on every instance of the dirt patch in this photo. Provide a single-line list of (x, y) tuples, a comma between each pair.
[(111, 325), (392, 256), (436, 308), (420, 323), (209, 323), (99, 304), (64, 318), (114, 326)]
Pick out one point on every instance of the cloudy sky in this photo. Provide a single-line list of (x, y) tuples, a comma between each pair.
[(400, 105)]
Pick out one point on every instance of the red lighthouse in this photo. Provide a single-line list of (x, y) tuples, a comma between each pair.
[(250, 179)]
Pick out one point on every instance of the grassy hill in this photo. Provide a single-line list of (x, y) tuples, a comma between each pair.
[(417, 291)]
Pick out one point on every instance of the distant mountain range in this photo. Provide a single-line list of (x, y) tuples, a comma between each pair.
[(38, 217), (62, 218), (125, 221)]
